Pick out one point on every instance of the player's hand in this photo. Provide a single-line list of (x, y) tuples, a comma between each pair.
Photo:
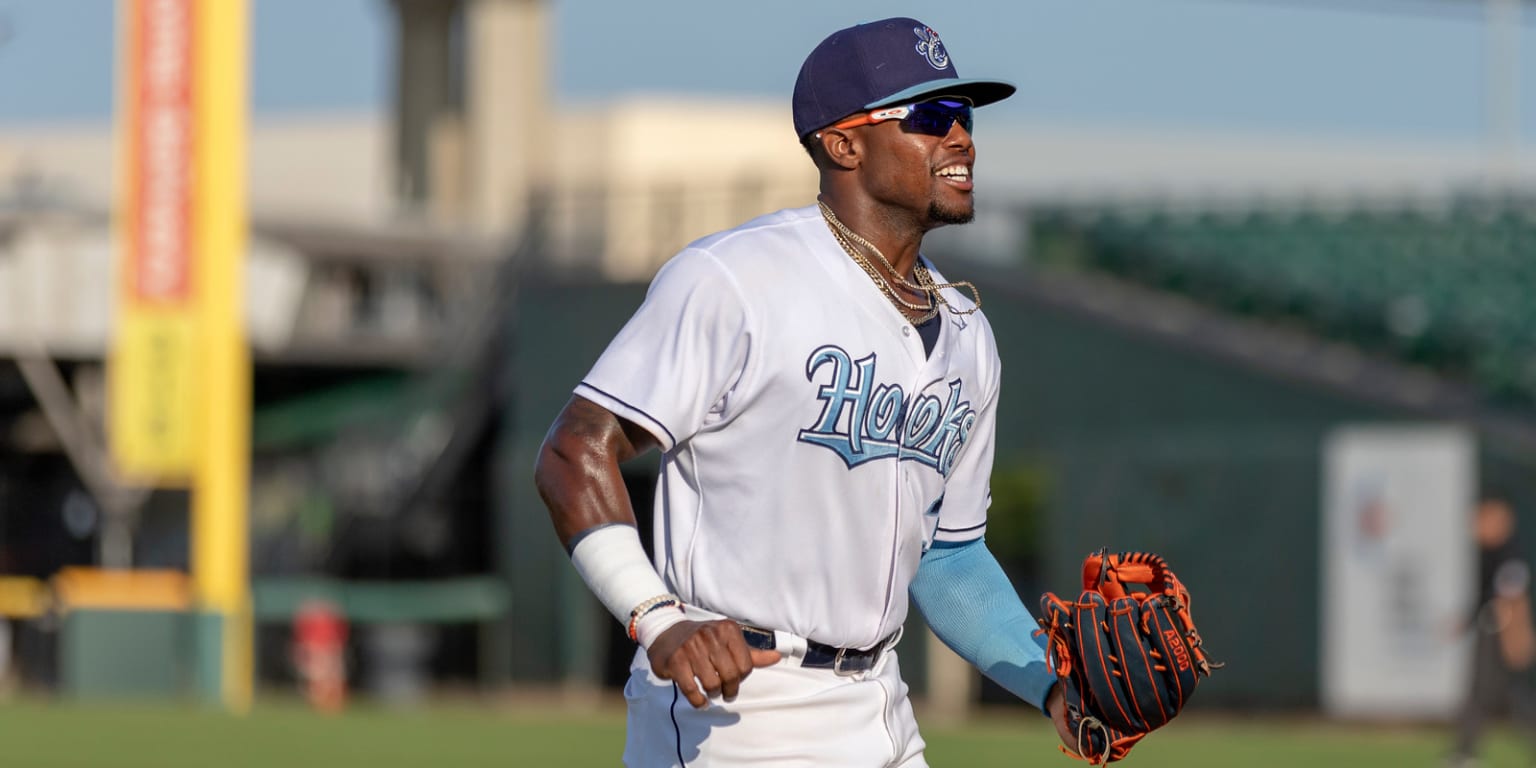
[(1056, 704), (706, 659)]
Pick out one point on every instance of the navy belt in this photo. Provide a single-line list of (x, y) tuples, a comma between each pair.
[(843, 661)]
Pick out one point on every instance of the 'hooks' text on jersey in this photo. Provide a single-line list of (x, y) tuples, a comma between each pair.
[(862, 421)]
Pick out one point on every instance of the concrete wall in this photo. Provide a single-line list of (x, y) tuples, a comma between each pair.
[(329, 167), (631, 181)]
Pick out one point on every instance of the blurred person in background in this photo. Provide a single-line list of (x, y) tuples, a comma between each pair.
[(319, 654), (6, 679), (1504, 639)]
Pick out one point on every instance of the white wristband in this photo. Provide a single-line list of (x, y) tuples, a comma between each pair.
[(613, 564), (651, 625)]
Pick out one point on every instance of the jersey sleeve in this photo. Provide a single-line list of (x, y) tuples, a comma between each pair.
[(679, 355), (1512, 579), (968, 489)]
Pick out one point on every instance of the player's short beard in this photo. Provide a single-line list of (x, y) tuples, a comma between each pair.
[(939, 215)]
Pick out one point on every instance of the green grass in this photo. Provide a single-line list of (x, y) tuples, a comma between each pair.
[(69, 736), (34, 735), (1193, 742)]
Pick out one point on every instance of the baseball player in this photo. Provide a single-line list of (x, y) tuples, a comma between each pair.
[(1501, 620), (824, 403)]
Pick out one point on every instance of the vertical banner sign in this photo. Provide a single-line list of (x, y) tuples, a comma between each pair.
[(152, 368), (1398, 564)]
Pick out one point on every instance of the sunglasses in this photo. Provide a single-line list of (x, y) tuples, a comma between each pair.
[(932, 118)]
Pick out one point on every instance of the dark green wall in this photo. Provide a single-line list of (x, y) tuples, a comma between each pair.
[(1151, 447), (1143, 446), (557, 631)]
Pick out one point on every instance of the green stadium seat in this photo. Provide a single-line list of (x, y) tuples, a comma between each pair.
[(1446, 288)]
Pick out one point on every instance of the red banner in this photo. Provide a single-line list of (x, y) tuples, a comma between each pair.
[(160, 151), (153, 375)]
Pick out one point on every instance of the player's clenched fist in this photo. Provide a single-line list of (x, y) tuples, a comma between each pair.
[(711, 654)]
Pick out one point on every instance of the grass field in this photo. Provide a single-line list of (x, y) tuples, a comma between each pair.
[(34, 735)]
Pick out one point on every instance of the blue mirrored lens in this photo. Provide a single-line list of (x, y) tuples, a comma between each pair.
[(934, 118)]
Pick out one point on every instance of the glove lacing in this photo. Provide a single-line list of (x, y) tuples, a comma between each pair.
[(1085, 739)]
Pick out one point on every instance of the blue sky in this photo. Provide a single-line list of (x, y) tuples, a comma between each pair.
[(1213, 65)]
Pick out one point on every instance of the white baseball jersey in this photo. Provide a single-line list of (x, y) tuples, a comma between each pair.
[(813, 450)]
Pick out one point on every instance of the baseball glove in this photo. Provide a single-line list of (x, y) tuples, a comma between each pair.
[(1127, 660)]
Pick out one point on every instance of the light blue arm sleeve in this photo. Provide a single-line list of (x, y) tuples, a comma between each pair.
[(970, 604)]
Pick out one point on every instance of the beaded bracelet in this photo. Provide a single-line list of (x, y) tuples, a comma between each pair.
[(659, 601)]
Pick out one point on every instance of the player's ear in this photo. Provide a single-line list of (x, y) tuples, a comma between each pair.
[(840, 148)]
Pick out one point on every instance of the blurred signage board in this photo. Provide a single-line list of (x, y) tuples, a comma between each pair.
[(152, 368), (1397, 569)]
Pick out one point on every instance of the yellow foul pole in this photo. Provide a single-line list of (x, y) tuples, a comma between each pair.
[(221, 475), (180, 373)]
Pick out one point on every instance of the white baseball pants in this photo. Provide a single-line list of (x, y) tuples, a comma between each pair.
[(784, 717)]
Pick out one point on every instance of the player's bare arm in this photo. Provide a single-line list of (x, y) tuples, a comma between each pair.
[(578, 476), (578, 468)]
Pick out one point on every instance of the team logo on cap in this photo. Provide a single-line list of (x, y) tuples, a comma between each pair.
[(931, 47)]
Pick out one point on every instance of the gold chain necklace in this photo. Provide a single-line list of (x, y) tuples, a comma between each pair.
[(925, 284), (931, 308)]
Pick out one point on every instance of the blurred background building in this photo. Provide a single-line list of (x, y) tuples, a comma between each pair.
[(1216, 239)]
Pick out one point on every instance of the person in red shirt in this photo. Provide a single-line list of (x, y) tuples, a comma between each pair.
[(319, 654)]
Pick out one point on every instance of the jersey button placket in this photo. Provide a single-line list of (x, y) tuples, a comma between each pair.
[(898, 490)]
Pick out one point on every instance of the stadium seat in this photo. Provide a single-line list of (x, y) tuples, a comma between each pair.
[(1446, 288)]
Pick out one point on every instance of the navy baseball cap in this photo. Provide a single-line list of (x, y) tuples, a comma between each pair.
[(879, 64)]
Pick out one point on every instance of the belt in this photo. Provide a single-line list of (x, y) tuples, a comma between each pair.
[(843, 661)]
